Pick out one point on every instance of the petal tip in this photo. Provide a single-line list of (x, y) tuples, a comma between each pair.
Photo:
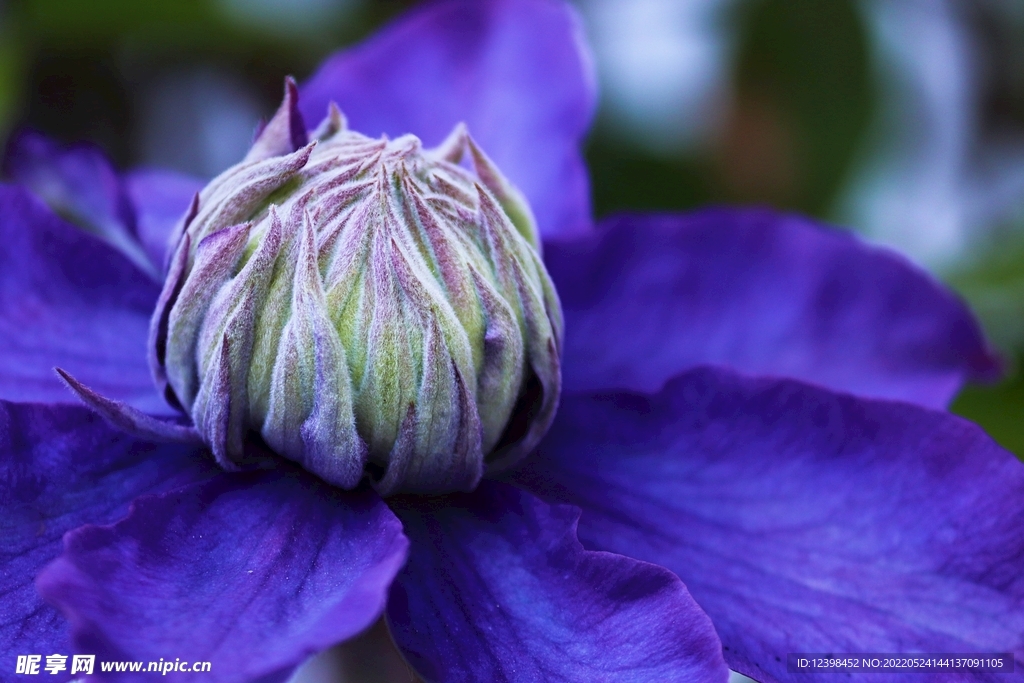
[(129, 419)]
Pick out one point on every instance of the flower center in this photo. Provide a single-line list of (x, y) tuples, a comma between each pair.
[(367, 307)]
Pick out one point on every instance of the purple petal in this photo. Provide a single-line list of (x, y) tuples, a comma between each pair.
[(517, 72), (766, 294), (802, 520), (497, 588), (79, 183), (61, 467), (68, 299), (251, 572), (161, 198)]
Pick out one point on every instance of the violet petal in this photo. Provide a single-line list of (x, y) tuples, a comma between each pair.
[(161, 198), (497, 588), (79, 183), (61, 467), (802, 520), (517, 72), (767, 294), (252, 572), (68, 299)]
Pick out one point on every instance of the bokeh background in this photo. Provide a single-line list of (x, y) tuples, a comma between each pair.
[(902, 120)]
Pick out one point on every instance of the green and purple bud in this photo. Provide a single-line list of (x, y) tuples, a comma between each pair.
[(366, 306)]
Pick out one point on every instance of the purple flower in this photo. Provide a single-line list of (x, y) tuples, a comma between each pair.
[(752, 424)]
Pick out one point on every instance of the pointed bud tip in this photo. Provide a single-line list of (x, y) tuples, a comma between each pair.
[(285, 132)]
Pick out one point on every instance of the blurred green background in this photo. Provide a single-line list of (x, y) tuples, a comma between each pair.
[(900, 119)]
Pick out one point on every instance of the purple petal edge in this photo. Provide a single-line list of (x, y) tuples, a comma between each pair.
[(60, 467), (498, 589), (161, 199), (802, 520), (79, 183), (252, 572), (68, 299), (646, 297)]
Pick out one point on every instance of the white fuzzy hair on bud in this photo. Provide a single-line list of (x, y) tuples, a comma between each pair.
[(366, 306)]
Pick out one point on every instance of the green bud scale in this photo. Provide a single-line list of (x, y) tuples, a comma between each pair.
[(367, 306)]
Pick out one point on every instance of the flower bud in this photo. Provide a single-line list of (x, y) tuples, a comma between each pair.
[(366, 306)]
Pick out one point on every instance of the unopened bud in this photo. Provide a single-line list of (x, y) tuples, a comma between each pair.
[(366, 306)]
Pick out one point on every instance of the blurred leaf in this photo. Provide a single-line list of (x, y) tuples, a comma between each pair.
[(173, 27), (76, 21)]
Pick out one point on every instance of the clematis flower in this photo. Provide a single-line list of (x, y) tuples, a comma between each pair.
[(751, 456)]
